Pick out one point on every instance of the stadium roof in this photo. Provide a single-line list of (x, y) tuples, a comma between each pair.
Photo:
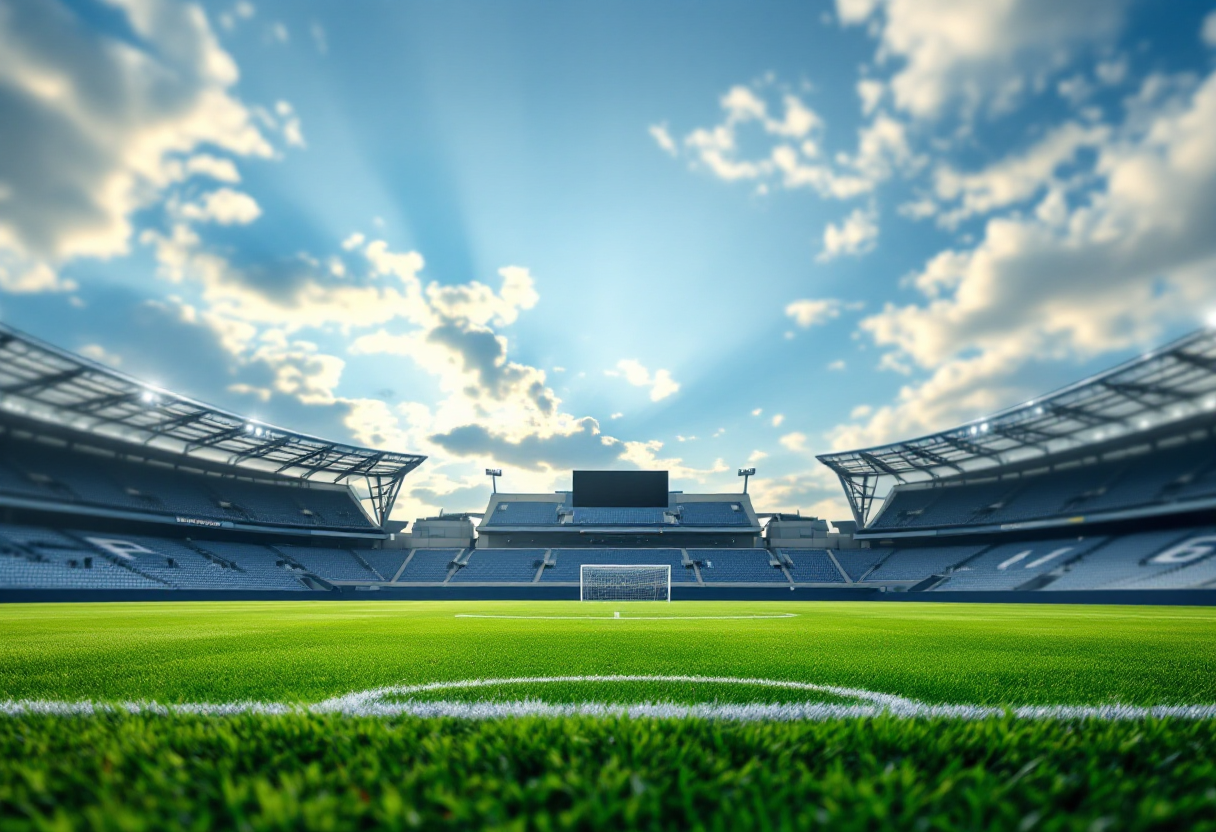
[(1174, 383), (48, 384)]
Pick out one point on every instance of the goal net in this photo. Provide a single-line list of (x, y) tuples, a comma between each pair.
[(602, 582)]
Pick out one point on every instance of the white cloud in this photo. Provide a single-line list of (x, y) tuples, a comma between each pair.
[(319, 38), (978, 54), (837, 366), (757, 411), (224, 206), (353, 241), (792, 153), (34, 279), (795, 441), (277, 33), (778, 419), (663, 138), (1016, 178), (204, 164), (293, 134), (857, 235), (1208, 34), (870, 92), (99, 124), (660, 382), (617, 415), (241, 11), (808, 313), (756, 456)]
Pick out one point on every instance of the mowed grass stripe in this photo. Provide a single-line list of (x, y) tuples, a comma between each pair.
[(310, 651)]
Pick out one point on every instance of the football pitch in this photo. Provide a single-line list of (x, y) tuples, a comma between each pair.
[(561, 715)]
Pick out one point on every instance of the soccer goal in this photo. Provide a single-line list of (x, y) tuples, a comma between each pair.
[(611, 582)]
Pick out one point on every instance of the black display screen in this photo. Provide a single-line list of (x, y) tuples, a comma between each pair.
[(620, 489)]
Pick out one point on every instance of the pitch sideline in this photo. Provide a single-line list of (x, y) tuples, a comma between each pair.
[(618, 617)]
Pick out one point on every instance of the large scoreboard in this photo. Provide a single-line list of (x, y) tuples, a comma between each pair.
[(620, 489)]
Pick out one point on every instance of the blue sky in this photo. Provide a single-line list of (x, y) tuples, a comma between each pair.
[(539, 236)]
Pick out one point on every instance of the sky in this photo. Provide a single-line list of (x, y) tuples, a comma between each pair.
[(540, 236)]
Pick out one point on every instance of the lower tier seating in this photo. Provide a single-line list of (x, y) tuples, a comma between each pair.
[(33, 557)]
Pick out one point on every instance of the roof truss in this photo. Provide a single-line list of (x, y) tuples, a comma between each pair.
[(1173, 383), (45, 383)]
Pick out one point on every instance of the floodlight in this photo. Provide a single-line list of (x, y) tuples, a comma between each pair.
[(494, 474), (745, 473)]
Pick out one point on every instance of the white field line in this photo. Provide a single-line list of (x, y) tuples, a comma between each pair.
[(627, 617), (372, 703)]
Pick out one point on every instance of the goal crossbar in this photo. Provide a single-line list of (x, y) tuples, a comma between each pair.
[(624, 582)]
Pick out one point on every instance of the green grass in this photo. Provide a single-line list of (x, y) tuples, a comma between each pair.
[(326, 772)]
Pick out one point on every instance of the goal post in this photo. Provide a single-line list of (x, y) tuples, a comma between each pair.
[(624, 582)]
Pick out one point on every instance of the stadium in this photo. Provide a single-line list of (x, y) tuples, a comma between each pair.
[(112, 489)]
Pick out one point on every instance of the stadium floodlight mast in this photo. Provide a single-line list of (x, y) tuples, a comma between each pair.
[(494, 474), (745, 473)]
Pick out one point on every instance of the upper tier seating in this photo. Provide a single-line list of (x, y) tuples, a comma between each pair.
[(1013, 564), (619, 516), (569, 561), (47, 472), (549, 513), (523, 514), (500, 565), (713, 514), (1186, 472), (737, 566)]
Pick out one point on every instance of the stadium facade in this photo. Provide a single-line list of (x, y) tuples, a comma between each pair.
[(112, 488)]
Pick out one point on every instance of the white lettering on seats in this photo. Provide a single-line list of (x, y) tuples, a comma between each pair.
[(119, 548), (1051, 556), (1187, 551), (1019, 556)]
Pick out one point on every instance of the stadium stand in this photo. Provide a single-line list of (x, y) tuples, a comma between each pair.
[(501, 566), (106, 484), (713, 514), (43, 471), (619, 516), (429, 565), (920, 563), (386, 562), (523, 513), (1165, 476), (738, 566), (857, 563), (1129, 561), (1013, 565), (568, 561), (812, 566), (331, 564)]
